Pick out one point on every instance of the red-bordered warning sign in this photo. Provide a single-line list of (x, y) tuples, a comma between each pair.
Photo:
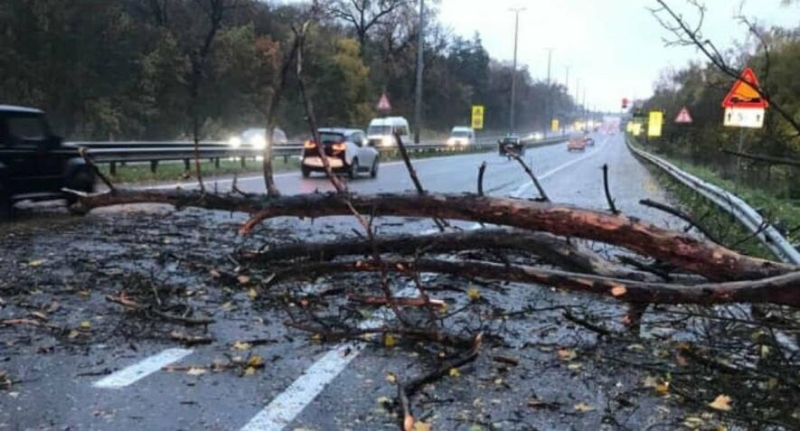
[(683, 116), (743, 94), (383, 104)]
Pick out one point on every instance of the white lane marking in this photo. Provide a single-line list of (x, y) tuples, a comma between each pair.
[(141, 369), (284, 408)]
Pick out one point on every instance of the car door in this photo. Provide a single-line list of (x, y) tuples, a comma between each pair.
[(29, 164), (366, 153)]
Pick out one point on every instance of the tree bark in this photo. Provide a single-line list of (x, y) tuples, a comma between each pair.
[(689, 253)]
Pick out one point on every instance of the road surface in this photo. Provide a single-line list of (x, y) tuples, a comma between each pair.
[(315, 386)]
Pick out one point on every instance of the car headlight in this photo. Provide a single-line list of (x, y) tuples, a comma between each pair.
[(387, 141), (235, 142), (451, 142), (258, 142)]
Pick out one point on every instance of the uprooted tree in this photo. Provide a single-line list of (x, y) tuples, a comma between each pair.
[(531, 242)]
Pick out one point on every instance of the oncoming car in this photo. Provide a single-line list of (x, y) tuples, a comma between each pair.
[(382, 132), (347, 150), (256, 138), (461, 136)]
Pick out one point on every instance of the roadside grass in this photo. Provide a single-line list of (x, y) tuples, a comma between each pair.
[(783, 213), (174, 171)]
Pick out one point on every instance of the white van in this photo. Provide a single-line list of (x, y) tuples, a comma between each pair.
[(461, 136), (381, 131)]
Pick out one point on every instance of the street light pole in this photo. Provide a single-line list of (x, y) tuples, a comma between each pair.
[(420, 66), (548, 101), (514, 71)]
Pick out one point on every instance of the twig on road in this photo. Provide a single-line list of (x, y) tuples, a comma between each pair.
[(440, 223), (681, 215), (610, 200), (481, 171), (542, 194)]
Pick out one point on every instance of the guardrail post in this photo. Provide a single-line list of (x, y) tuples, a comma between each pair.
[(285, 159), (153, 165), (186, 166), (113, 169), (216, 163), (243, 162)]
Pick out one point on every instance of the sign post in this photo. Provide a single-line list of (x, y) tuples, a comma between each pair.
[(477, 117)]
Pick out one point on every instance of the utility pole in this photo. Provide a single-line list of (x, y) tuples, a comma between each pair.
[(514, 72), (577, 109), (566, 88), (584, 108), (420, 66), (548, 101)]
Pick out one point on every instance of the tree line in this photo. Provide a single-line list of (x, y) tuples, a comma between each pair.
[(146, 69)]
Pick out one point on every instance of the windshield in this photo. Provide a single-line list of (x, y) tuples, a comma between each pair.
[(331, 138), (379, 130), (26, 127), (460, 134)]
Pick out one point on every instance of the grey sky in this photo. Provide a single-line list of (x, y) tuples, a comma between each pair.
[(613, 46)]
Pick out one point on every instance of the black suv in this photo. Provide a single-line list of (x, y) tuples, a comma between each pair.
[(34, 164), (511, 144)]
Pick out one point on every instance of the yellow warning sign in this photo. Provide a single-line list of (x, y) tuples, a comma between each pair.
[(477, 117), (654, 123), (554, 125)]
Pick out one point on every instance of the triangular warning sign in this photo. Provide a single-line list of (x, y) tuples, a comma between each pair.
[(683, 116), (743, 94), (383, 104)]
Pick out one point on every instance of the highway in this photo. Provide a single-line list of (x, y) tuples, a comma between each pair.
[(312, 386)]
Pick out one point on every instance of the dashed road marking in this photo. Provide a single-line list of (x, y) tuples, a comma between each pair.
[(141, 369)]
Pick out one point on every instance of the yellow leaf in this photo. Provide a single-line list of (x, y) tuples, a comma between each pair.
[(86, 325), (636, 347), (583, 408), (391, 378), (722, 402), (566, 354), (421, 426), (73, 334), (722, 427), (249, 371), (196, 371), (241, 345), (454, 372), (389, 340), (36, 263), (252, 293), (575, 366), (474, 294), (662, 388), (618, 290), (316, 338), (255, 361), (764, 350)]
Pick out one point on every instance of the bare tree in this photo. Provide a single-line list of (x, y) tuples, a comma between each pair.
[(363, 15), (686, 34)]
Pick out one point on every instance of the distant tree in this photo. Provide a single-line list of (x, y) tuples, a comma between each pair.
[(364, 15)]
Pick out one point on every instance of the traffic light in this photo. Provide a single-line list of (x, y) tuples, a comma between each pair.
[(624, 103)]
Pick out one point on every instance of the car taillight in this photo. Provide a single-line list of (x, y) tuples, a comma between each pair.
[(339, 146), (309, 145)]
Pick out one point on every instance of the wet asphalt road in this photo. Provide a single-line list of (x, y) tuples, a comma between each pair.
[(54, 396)]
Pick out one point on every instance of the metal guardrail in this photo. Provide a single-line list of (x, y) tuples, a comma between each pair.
[(732, 204), (114, 152)]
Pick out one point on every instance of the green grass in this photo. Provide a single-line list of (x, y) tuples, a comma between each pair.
[(784, 212), (174, 171)]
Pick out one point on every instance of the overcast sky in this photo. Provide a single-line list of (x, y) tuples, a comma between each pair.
[(614, 47)]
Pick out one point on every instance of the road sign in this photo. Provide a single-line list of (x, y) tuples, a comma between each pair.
[(654, 123), (683, 117), (477, 117), (636, 129), (383, 104), (554, 125), (743, 94), (624, 103), (752, 118)]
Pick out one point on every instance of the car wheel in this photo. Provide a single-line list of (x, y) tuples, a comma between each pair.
[(82, 181), (305, 171), (374, 171), (353, 173)]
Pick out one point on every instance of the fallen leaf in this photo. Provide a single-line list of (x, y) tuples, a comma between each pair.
[(36, 263), (764, 350), (693, 422), (196, 371), (722, 403), (227, 306), (618, 290), (39, 315), (86, 325), (454, 372), (384, 400), (575, 366), (473, 294), (662, 388), (421, 426), (391, 378), (241, 345), (252, 293), (389, 340), (214, 273), (73, 334), (636, 347), (249, 371), (243, 279), (583, 408), (566, 354), (650, 382), (255, 361)]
